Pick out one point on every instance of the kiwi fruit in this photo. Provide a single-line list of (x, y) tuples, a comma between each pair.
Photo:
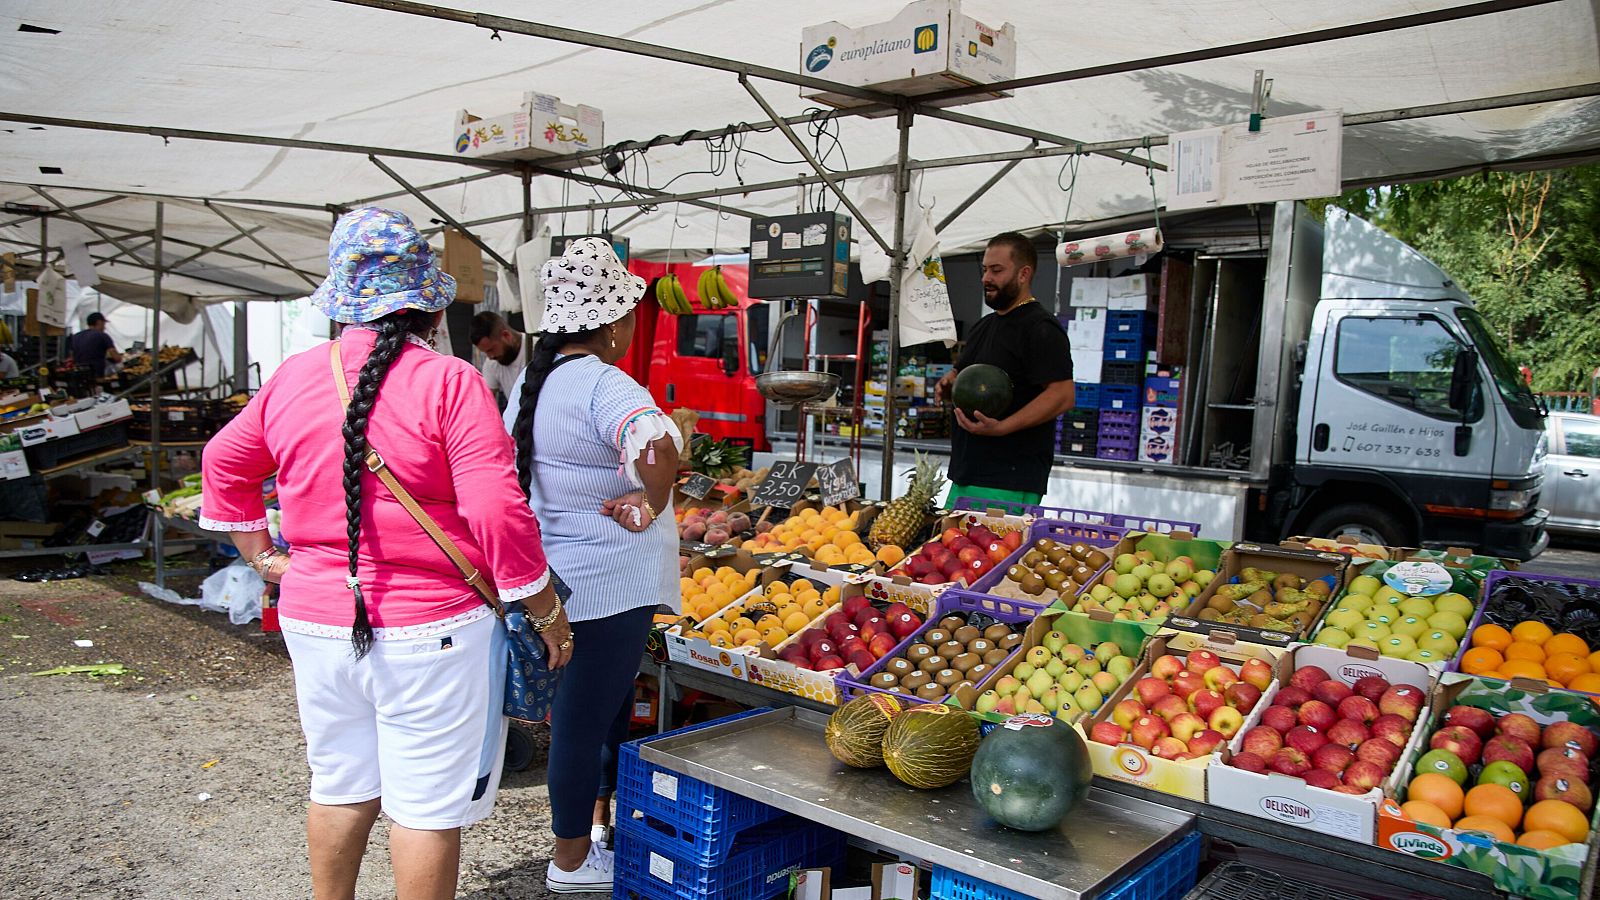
[(946, 677), (1032, 584), (899, 666), (994, 657), (1079, 551), (966, 634), (1014, 573), (978, 672), (965, 662), (1031, 559), (1055, 580), (899, 689), (1097, 560), (884, 680), (1010, 641), (980, 645), (919, 652), (996, 631), (1044, 545), (933, 637), (959, 685), (951, 623), (931, 664), (931, 691), (915, 680)]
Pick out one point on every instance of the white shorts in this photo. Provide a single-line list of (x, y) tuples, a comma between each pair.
[(418, 722)]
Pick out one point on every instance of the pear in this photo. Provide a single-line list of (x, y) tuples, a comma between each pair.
[(1056, 668), (1105, 683), (1035, 706), (1054, 641), (1022, 696), (987, 701), (1089, 698), (1105, 650), (1051, 700), (1147, 601), (1120, 666), (1024, 671), (1069, 708), (1071, 654), (1071, 681), (1039, 683), (1116, 604), (1087, 667), (1101, 593), (1203, 577)]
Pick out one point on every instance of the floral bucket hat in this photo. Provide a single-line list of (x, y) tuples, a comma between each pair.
[(378, 263), (587, 287)]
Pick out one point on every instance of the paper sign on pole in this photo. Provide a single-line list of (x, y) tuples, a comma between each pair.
[(925, 312), (1290, 158), (52, 305), (79, 262)]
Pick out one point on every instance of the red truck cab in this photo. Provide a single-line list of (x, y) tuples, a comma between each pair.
[(707, 361)]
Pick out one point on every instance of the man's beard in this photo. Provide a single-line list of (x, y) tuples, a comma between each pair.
[(508, 356), (1004, 295)]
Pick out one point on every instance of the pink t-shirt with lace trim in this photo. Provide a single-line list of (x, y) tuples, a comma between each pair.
[(438, 428)]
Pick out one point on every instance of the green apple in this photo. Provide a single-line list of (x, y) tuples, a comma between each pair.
[(1365, 585), (1117, 604), (1440, 642), (1453, 602), (1410, 626), (1362, 640), (1421, 607), (1333, 637), (1124, 564), (1449, 622), (1443, 762), (1345, 620), (1388, 595), (1358, 602), (1398, 646), (1505, 772), (1373, 631), (1384, 614), (1424, 657)]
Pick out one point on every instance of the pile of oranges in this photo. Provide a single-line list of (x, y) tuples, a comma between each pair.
[(770, 615), (1531, 650), (1494, 810), (830, 536), (706, 592)]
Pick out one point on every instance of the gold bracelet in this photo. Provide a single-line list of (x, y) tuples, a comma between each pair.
[(645, 499), (260, 561), (540, 624)]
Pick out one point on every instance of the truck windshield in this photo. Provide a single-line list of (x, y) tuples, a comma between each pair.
[(755, 326), (1506, 378)]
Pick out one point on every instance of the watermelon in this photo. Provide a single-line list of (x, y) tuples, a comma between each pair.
[(855, 730), (983, 388), (930, 746), (1030, 772)]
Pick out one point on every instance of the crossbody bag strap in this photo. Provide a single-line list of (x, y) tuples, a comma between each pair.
[(376, 465)]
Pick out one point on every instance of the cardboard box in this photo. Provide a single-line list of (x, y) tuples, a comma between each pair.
[(767, 670), (1160, 548), (541, 126), (1086, 330), (47, 428), (895, 881), (104, 414), (1286, 799), (1160, 420), (1554, 874), (1329, 566), (1131, 763), (698, 652), (929, 46), (1089, 292), (1157, 447)]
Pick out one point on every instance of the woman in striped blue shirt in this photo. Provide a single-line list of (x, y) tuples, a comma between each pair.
[(597, 460)]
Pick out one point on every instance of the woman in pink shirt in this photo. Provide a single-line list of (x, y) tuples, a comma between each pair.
[(399, 665)]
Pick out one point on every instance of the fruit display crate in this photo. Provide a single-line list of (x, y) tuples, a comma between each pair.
[(1086, 447), (759, 865), (1130, 322), (692, 818), (1121, 398), (1168, 877), (1236, 881), (1121, 520), (1124, 347), (1118, 425), (1123, 373), (1163, 392), (1086, 421), (1086, 395), (1121, 449), (60, 451), (1563, 602), (1095, 534)]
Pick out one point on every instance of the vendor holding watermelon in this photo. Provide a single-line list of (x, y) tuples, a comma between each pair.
[(1005, 446)]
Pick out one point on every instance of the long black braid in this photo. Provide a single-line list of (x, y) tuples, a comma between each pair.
[(539, 366), (392, 330)]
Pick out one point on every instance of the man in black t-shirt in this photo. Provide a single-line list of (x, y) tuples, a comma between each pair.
[(92, 347), (1009, 459)]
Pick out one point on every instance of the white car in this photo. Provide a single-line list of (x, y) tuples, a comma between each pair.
[(1572, 473)]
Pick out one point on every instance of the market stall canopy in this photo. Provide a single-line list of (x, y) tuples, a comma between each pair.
[(354, 74)]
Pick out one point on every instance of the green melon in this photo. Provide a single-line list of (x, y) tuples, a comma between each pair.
[(855, 730), (930, 746), (1030, 772), (983, 388)]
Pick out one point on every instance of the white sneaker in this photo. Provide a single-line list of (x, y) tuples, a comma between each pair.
[(601, 835), (594, 876)]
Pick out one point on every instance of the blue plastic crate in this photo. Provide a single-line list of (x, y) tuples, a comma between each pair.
[(705, 819), (651, 867), (1119, 398), (1168, 877), (1123, 322), (1124, 347), (1086, 395)]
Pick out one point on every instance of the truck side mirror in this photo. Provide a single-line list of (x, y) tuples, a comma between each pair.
[(730, 356), (1463, 380)]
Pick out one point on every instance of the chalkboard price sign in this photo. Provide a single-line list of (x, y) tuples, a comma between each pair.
[(784, 485), (698, 486), (838, 482)]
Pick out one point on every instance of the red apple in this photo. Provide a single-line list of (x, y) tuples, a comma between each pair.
[(1290, 696), (1333, 757), (1218, 678), (1186, 725), (933, 578), (1227, 720), (1206, 742), (1567, 762), (862, 659), (1243, 696), (1257, 673), (1279, 718), (882, 645), (1106, 733), (1332, 692), (1170, 707), (792, 653), (1184, 684), (1306, 678), (969, 554), (1513, 750), (950, 536), (829, 662), (894, 609), (1317, 714), (1202, 661), (1168, 748), (1127, 712), (1348, 733), (810, 636), (1166, 667), (1289, 761), (1392, 728), (1321, 778), (1262, 741), (904, 625), (1249, 762), (1359, 709), (1567, 790), (1350, 789), (1149, 729), (1402, 700), (1521, 727), (1381, 753), (1481, 721), (823, 647), (852, 606), (1570, 734), (1149, 690), (1365, 774), (1204, 703), (1372, 687), (1305, 739), (1460, 740)]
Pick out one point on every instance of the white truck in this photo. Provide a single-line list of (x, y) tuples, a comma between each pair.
[(1335, 381)]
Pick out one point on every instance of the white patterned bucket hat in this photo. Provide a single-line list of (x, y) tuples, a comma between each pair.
[(586, 288)]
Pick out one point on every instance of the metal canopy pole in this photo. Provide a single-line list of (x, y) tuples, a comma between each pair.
[(125, 194), (897, 268), (66, 211), (172, 267), (260, 243), (30, 216), (217, 246), (439, 211), (982, 189), (158, 539), (1034, 133), (816, 165), (241, 346)]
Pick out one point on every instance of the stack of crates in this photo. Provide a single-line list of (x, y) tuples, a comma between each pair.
[(1128, 334), (1158, 425), (678, 838)]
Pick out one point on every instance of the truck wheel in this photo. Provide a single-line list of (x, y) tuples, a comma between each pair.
[(1372, 524), (519, 749)]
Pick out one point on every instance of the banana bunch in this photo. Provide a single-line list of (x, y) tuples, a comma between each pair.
[(669, 293), (714, 291)]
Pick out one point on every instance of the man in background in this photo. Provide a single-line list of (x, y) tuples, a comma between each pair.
[(92, 348), (507, 352), (1009, 459)]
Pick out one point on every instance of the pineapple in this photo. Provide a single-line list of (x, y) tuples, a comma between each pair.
[(906, 515)]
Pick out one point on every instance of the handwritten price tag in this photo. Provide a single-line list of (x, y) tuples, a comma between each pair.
[(838, 482), (698, 486), (784, 484)]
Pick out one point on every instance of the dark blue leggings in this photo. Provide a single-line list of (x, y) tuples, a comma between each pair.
[(589, 719)]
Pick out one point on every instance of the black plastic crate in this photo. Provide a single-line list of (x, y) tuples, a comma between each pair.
[(1237, 881), (1123, 373), (50, 454)]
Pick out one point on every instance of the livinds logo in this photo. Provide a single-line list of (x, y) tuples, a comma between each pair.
[(1418, 844), (926, 39), (819, 57)]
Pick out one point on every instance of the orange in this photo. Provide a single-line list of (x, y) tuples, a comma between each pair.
[(1496, 801), (1521, 668), (1531, 631), (1488, 825), (1594, 661), (1589, 682), (1559, 816), (1541, 840), (1525, 650), (1566, 642), (1481, 660), (1439, 791), (1564, 667), (1424, 812), (1492, 636)]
